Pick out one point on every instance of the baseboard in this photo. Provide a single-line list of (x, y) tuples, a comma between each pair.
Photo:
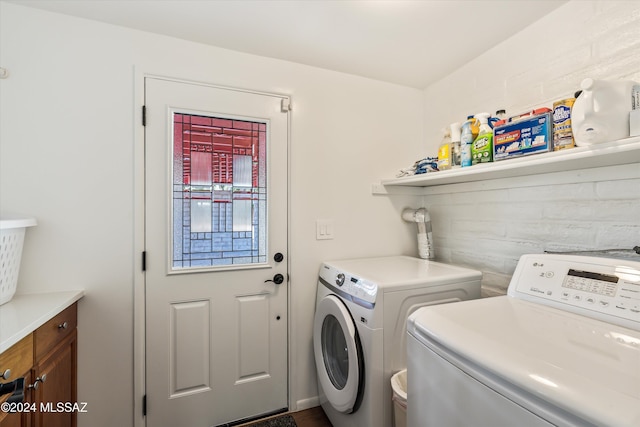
[(303, 404)]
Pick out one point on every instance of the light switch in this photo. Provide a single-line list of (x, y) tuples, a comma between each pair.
[(324, 229)]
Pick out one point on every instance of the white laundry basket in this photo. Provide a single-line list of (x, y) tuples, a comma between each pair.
[(12, 232), (399, 386)]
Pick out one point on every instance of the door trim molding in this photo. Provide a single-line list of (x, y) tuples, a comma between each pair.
[(139, 314), (139, 389)]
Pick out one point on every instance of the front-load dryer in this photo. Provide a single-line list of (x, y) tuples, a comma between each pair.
[(359, 332)]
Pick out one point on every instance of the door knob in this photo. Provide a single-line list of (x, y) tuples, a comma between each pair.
[(278, 257), (277, 279)]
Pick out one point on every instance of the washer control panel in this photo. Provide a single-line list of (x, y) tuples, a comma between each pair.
[(603, 288)]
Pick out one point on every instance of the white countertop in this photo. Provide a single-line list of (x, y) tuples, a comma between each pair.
[(27, 312)]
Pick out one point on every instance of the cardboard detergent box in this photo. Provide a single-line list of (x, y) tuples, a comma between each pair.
[(527, 135)]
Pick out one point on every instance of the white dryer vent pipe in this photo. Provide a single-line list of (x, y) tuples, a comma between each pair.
[(425, 238)]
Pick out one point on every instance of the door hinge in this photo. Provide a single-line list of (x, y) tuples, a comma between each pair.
[(144, 405), (144, 260), (144, 115), (285, 105)]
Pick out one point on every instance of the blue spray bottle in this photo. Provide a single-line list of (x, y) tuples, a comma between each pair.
[(466, 139)]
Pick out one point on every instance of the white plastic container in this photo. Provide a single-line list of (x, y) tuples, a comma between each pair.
[(12, 231), (399, 387), (601, 112)]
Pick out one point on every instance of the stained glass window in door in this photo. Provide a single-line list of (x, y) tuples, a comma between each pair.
[(219, 191)]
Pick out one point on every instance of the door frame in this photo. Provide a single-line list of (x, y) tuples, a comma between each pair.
[(139, 277)]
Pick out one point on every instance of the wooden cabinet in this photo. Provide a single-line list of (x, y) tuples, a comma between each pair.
[(19, 419), (19, 361), (55, 354), (58, 367), (12, 420), (47, 359)]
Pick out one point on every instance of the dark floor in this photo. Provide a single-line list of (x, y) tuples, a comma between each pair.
[(313, 417)]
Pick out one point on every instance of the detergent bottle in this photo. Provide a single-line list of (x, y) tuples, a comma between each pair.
[(482, 147), (444, 152), (466, 140), (601, 112), (455, 144)]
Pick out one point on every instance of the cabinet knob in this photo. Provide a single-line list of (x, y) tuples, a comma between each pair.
[(37, 382), (63, 325), (6, 374)]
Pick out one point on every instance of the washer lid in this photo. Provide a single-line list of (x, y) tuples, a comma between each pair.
[(404, 272), (585, 366)]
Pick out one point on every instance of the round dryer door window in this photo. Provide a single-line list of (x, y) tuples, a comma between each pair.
[(338, 355), (335, 352)]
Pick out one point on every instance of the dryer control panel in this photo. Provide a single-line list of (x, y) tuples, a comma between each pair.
[(603, 288), (358, 290)]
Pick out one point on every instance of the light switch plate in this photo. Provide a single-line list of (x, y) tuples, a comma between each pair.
[(324, 229)]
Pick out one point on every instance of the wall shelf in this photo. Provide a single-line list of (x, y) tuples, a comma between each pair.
[(624, 151)]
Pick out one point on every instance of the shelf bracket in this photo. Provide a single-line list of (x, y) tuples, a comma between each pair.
[(377, 189)]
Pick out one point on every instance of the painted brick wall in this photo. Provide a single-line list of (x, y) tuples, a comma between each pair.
[(488, 225)]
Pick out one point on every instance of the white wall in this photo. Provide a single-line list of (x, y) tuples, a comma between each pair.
[(489, 225), (69, 155)]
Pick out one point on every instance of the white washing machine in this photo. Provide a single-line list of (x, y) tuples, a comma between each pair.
[(359, 334), (562, 348)]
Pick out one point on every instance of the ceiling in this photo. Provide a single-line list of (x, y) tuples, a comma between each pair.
[(411, 43)]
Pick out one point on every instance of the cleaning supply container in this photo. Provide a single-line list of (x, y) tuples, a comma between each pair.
[(456, 138), (399, 386), (444, 151), (469, 131), (601, 112), (482, 147), (12, 231)]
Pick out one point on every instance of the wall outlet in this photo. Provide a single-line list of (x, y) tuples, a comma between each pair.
[(324, 229)]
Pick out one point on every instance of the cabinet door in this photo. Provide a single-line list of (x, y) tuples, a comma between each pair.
[(11, 420), (17, 419), (58, 387)]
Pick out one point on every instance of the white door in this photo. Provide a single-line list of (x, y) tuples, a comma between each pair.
[(216, 254)]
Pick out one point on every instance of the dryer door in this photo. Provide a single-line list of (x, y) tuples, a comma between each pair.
[(338, 354)]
